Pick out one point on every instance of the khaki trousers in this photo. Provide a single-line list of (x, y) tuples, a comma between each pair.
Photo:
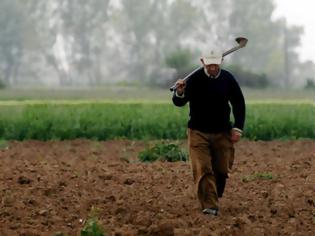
[(212, 157)]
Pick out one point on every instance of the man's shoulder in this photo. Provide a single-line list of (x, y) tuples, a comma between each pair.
[(198, 73), (226, 73)]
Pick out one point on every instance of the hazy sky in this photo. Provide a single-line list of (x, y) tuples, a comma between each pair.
[(300, 12)]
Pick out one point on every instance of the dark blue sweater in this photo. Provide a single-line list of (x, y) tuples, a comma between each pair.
[(209, 102)]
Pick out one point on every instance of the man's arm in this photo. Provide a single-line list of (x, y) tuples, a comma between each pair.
[(238, 107), (179, 98)]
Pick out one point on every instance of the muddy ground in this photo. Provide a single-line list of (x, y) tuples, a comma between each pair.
[(50, 187)]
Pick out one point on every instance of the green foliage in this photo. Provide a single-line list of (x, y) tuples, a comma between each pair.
[(3, 144), (248, 78), (181, 59), (145, 121), (2, 84), (257, 176), (280, 121), (310, 84), (163, 152), (92, 226), (92, 121)]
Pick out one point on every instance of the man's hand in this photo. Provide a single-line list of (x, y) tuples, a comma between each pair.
[(235, 135), (180, 87)]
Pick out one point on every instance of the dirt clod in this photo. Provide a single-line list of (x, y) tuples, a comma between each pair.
[(24, 180)]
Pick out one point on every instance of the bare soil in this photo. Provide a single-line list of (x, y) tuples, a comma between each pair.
[(50, 187)]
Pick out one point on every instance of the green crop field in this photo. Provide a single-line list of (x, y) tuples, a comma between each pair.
[(60, 120), (141, 113)]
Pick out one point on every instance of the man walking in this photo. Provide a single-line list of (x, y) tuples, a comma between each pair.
[(210, 91)]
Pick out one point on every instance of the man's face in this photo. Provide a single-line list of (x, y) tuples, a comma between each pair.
[(212, 69)]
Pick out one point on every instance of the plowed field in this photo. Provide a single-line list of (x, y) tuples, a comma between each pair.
[(50, 187)]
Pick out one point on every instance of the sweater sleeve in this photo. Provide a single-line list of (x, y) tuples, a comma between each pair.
[(182, 100), (179, 100), (238, 104)]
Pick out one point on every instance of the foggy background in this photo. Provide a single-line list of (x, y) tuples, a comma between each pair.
[(80, 43)]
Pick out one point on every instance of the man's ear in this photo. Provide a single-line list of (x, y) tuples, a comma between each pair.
[(203, 63)]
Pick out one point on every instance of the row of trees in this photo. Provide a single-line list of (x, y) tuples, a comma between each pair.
[(78, 42)]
